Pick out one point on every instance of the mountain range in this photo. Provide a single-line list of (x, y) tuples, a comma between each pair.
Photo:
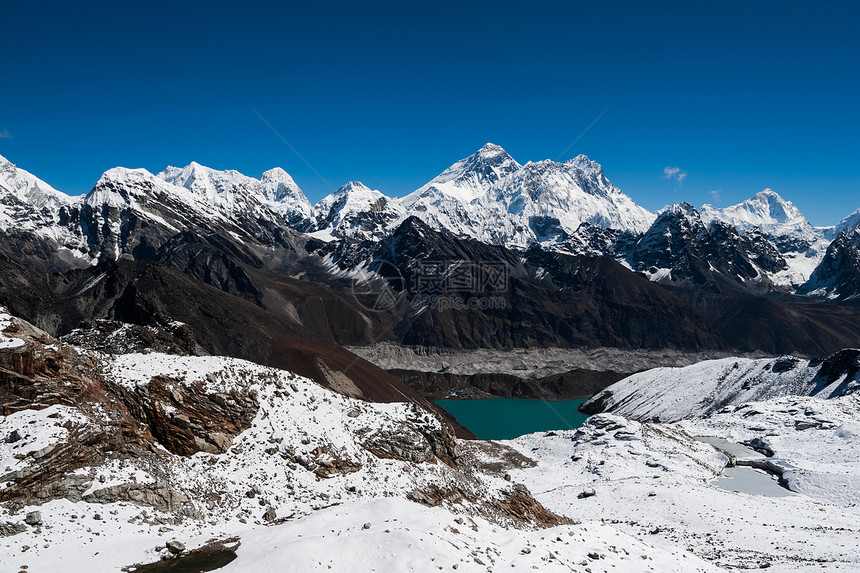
[(566, 207), (582, 264)]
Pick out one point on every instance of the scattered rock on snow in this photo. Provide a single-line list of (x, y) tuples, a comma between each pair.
[(175, 547)]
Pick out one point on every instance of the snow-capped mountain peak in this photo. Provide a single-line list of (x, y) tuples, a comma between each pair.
[(218, 188), (469, 178), (356, 211), (682, 209), (572, 192), (121, 186), (278, 185), (850, 224), (28, 188), (230, 190), (490, 197), (584, 163), (766, 210)]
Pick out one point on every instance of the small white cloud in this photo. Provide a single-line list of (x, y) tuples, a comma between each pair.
[(674, 173), (715, 196), (5, 134)]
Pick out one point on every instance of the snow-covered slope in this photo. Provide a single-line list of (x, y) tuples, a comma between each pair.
[(573, 192), (837, 276), (657, 483), (671, 394), (28, 189), (850, 225)]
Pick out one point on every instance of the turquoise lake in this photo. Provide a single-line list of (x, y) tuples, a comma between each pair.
[(506, 418)]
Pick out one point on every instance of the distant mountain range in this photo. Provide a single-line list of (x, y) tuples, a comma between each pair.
[(571, 207), (583, 263)]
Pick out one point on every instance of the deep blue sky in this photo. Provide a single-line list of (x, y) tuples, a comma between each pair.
[(740, 96)]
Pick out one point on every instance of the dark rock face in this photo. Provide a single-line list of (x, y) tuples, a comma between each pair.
[(540, 298), (553, 299), (547, 229), (838, 274), (113, 337), (696, 255), (843, 365), (593, 241), (519, 504), (765, 254)]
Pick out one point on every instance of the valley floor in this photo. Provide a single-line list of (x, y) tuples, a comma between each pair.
[(531, 362)]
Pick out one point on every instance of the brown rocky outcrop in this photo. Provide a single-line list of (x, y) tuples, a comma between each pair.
[(122, 423), (519, 504), (185, 419)]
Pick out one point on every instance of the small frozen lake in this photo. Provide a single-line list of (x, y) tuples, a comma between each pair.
[(739, 451), (754, 481), (745, 479)]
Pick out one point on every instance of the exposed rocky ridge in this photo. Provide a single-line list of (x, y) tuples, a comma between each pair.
[(114, 337), (574, 301), (99, 422), (680, 249), (562, 309)]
